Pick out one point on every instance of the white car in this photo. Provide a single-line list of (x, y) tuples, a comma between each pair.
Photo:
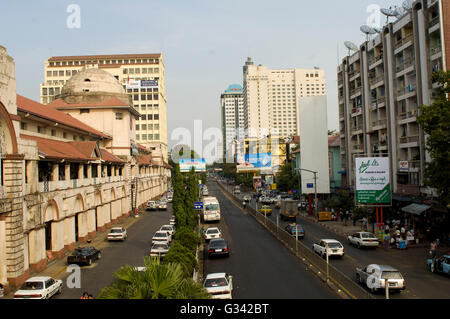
[(363, 239), (151, 205), (159, 249), (39, 288), (162, 205), (375, 277), (213, 232), (335, 248), (219, 285), (161, 237), (117, 233), (168, 228), (172, 220), (247, 198), (169, 198)]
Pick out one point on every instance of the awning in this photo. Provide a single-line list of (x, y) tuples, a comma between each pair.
[(415, 209)]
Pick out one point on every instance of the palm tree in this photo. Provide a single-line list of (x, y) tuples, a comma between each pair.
[(158, 281)]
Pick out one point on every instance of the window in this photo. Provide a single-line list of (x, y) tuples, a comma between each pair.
[(144, 127), (44, 91), (156, 117), (53, 132), (39, 129), (64, 135), (119, 116), (23, 126), (137, 127)]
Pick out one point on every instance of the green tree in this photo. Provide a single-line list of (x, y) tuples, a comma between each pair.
[(183, 256), (434, 119), (158, 281), (286, 180)]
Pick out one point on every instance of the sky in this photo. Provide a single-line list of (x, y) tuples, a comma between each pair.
[(205, 43)]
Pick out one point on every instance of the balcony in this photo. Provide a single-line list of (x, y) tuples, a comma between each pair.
[(356, 128), (379, 124), (377, 79), (357, 148), (403, 41), (433, 22), (405, 65), (356, 111), (407, 115), (356, 91), (50, 186), (406, 90), (354, 73), (434, 50), (374, 59), (408, 140)]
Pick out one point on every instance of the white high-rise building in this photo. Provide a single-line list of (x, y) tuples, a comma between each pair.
[(271, 98), (232, 113)]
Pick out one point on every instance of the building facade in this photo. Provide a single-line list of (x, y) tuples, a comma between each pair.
[(141, 75), (232, 118), (271, 98), (61, 182), (380, 88)]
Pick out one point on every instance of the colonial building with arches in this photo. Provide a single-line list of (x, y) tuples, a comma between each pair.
[(69, 170)]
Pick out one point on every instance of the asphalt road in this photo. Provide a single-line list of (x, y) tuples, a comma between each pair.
[(262, 268), (420, 283), (118, 254)]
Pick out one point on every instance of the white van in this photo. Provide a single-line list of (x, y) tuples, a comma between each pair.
[(211, 209)]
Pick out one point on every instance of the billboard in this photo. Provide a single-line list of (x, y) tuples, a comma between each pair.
[(255, 162), (186, 164), (142, 84), (372, 180), (314, 145)]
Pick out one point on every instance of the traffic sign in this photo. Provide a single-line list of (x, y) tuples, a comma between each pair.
[(198, 205), (310, 185)]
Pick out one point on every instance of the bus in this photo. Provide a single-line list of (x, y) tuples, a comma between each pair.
[(211, 209)]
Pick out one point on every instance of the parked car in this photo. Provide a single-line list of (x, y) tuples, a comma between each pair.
[(172, 220), (212, 232), (39, 288), (218, 247), (295, 230), (85, 255), (168, 228), (161, 237), (374, 277), (363, 239), (219, 285), (162, 205), (159, 249), (335, 248), (169, 198), (439, 265), (247, 198), (117, 233), (151, 205), (265, 209)]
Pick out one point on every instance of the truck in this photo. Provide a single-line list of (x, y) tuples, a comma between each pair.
[(376, 276), (211, 209), (288, 209)]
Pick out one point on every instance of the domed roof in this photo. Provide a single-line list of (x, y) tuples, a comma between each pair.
[(93, 81)]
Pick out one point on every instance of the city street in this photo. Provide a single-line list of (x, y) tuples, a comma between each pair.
[(262, 268), (118, 254), (420, 283)]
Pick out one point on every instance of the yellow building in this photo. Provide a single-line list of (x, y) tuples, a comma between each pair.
[(141, 75)]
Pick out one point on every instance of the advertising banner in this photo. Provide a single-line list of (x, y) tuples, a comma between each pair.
[(255, 162), (257, 182), (142, 84), (186, 164), (372, 180)]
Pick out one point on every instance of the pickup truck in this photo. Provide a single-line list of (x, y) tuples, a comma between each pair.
[(374, 277)]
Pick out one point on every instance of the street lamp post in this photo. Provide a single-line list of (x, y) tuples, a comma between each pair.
[(315, 187), (326, 252)]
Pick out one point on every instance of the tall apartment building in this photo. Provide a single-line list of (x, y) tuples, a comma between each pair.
[(141, 75), (380, 88), (232, 118), (271, 98)]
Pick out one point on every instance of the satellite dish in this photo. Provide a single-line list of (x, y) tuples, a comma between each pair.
[(400, 12), (407, 5), (378, 30), (388, 13), (350, 46), (367, 31)]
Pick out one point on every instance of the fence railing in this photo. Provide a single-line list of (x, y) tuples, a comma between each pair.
[(346, 284)]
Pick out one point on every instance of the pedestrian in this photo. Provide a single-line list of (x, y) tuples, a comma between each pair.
[(387, 241), (85, 295), (433, 247), (202, 231)]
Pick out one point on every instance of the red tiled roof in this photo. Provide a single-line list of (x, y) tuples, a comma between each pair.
[(53, 149), (29, 106), (108, 157), (61, 104), (144, 160), (333, 141)]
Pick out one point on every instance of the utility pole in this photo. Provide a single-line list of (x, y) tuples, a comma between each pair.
[(315, 187)]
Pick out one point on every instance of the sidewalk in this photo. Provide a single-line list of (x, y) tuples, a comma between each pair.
[(57, 268), (340, 228)]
